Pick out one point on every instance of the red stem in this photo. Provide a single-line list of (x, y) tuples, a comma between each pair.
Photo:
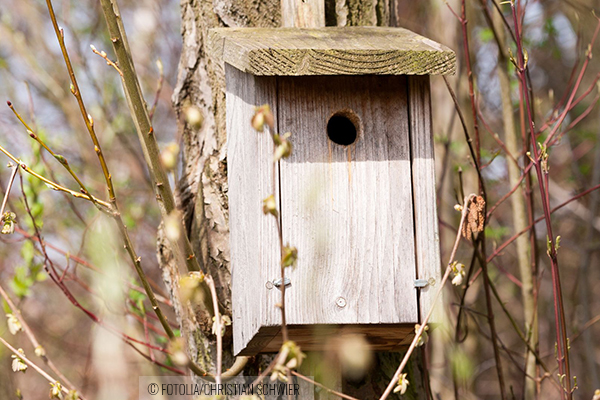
[(560, 324), (56, 279), (558, 207), (577, 84)]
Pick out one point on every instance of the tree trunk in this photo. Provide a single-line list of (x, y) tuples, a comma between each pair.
[(203, 184)]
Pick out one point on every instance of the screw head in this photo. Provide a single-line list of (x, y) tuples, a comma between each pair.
[(340, 302), (269, 285), (287, 282)]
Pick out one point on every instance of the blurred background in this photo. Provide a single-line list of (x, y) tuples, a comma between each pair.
[(100, 277), (97, 270)]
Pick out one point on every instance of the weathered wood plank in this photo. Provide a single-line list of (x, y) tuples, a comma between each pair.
[(253, 236), (331, 51), (423, 170), (348, 210), (382, 337), (302, 13)]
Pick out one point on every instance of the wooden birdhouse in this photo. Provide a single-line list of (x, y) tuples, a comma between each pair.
[(357, 195)]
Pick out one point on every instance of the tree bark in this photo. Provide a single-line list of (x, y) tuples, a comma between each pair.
[(203, 184)]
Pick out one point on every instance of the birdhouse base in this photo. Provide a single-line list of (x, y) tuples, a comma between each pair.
[(381, 337)]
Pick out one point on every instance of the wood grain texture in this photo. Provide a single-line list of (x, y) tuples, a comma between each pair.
[(331, 51), (253, 236), (362, 216), (348, 210), (202, 182), (427, 238), (303, 13)]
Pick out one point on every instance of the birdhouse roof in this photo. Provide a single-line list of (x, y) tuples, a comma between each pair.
[(331, 51)]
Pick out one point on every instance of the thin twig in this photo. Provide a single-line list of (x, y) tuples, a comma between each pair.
[(552, 211), (542, 174), (577, 120), (161, 78), (490, 314), (510, 192), (218, 327), (108, 60), (476, 154), (54, 276), (53, 185), (35, 367), (307, 379), (284, 329), (137, 263), (577, 84), (465, 130), (182, 248), (37, 346), (61, 159), (236, 368), (81, 261), (421, 329), (87, 118), (463, 22), (7, 192), (108, 177)]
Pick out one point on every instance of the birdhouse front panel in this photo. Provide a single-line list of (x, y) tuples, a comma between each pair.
[(346, 200), (357, 195)]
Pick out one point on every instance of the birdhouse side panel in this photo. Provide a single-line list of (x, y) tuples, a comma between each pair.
[(423, 169), (253, 237), (348, 208)]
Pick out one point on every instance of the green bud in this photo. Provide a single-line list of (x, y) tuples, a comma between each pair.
[(262, 116), (61, 159), (56, 390), (290, 256), (284, 146), (18, 365), (9, 219), (270, 206)]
